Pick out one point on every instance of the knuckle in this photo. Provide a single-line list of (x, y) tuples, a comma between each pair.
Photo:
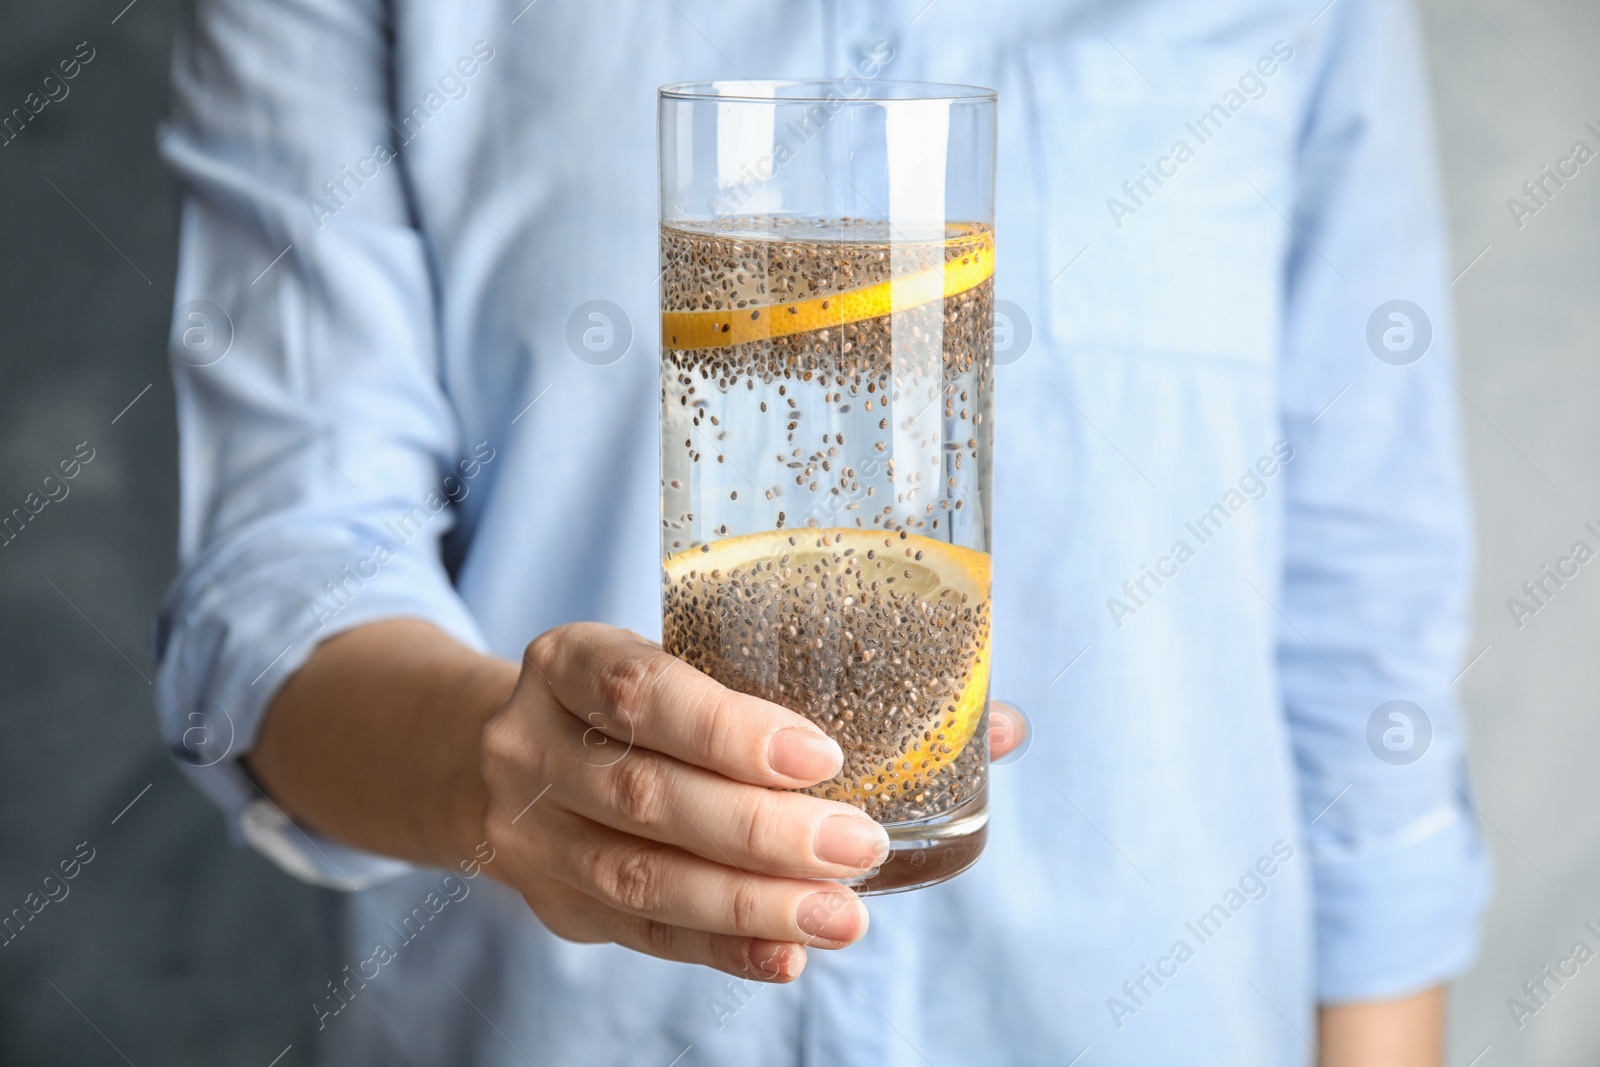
[(660, 939), (719, 726), (757, 820), (632, 879), (543, 651), (640, 790), (627, 681), (622, 680), (744, 907)]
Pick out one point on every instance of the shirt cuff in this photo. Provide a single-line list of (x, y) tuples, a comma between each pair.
[(239, 622), (1400, 919)]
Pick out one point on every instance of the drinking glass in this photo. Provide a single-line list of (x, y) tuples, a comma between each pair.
[(827, 303)]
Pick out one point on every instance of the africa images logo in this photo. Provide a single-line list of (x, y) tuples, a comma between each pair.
[(1399, 332), (1399, 732)]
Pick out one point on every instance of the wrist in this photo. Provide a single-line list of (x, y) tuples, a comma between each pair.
[(482, 689), (1395, 1033), (375, 741)]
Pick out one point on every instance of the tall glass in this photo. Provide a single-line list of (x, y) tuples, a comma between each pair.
[(827, 302)]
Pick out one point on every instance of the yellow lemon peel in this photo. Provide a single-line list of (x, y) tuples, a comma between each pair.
[(686, 330)]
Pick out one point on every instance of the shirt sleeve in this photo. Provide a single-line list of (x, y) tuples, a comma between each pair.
[(319, 456), (1378, 551)]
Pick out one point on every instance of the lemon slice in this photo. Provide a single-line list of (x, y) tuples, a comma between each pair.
[(882, 638), (684, 330)]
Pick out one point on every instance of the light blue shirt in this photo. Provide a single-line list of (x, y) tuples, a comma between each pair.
[(1227, 533)]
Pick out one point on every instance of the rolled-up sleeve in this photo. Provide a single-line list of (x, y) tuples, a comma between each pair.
[(319, 455), (1378, 555)]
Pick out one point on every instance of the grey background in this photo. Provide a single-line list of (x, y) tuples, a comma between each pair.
[(1513, 85), (175, 947), (178, 947)]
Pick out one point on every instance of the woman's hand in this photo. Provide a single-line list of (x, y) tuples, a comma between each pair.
[(633, 799), (629, 797)]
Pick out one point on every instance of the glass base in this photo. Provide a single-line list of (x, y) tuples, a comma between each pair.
[(926, 853)]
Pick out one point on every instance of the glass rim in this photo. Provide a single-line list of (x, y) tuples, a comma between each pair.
[(817, 91)]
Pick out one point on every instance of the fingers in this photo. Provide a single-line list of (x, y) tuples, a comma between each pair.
[(672, 888), (678, 837), (576, 916), (618, 684), (759, 830)]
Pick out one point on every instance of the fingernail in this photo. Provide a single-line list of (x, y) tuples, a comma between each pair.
[(833, 916), (851, 840), (809, 755), (774, 961)]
